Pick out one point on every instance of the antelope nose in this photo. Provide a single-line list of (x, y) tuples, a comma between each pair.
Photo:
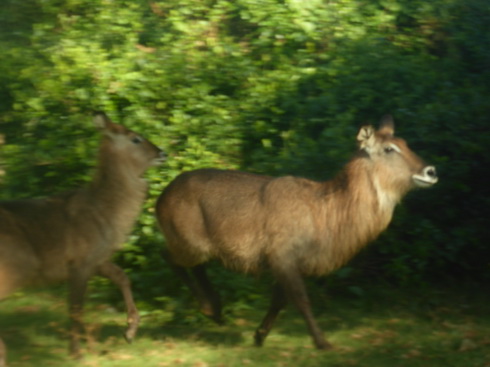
[(430, 171)]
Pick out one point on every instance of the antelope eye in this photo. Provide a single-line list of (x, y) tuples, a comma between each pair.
[(136, 139), (389, 149)]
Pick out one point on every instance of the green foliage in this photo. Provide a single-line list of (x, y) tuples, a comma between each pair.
[(277, 87)]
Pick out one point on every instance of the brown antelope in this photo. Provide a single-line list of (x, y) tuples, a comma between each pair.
[(72, 236), (292, 226)]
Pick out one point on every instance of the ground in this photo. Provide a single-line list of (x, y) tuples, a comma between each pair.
[(380, 326)]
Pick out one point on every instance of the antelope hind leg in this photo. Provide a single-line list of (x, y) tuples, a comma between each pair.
[(210, 300), (200, 287)]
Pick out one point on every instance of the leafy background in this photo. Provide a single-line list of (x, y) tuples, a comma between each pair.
[(269, 86)]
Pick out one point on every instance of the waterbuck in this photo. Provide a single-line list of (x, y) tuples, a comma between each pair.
[(292, 226), (72, 236)]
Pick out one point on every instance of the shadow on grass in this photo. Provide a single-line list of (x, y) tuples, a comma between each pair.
[(211, 335), (32, 334), (379, 309), (383, 327)]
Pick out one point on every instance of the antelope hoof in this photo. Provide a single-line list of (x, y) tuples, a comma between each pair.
[(218, 319), (324, 345), (259, 338), (212, 313), (133, 323), (76, 355), (129, 336), (74, 350)]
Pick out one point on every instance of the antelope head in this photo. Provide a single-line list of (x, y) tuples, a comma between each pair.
[(396, 168)]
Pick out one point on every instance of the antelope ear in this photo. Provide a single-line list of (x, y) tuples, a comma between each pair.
[(387, 126), (104, 123), (101, 120), (365, 138)]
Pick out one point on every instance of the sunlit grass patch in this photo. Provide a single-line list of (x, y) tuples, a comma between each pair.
[(383, 328)]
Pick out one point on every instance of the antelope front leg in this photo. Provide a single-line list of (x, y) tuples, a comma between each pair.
[(3, 354), (278, 302), (77, 283), (295, 289), (118, 277)]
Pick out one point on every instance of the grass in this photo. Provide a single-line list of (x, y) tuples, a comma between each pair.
[(383, 327)]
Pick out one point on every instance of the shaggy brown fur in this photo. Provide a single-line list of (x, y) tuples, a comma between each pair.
[(72, 236), (293, 226)]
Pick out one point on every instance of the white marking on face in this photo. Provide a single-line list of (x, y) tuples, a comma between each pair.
[(396, 148)]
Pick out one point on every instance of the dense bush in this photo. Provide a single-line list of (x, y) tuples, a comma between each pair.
[(277, 87)]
